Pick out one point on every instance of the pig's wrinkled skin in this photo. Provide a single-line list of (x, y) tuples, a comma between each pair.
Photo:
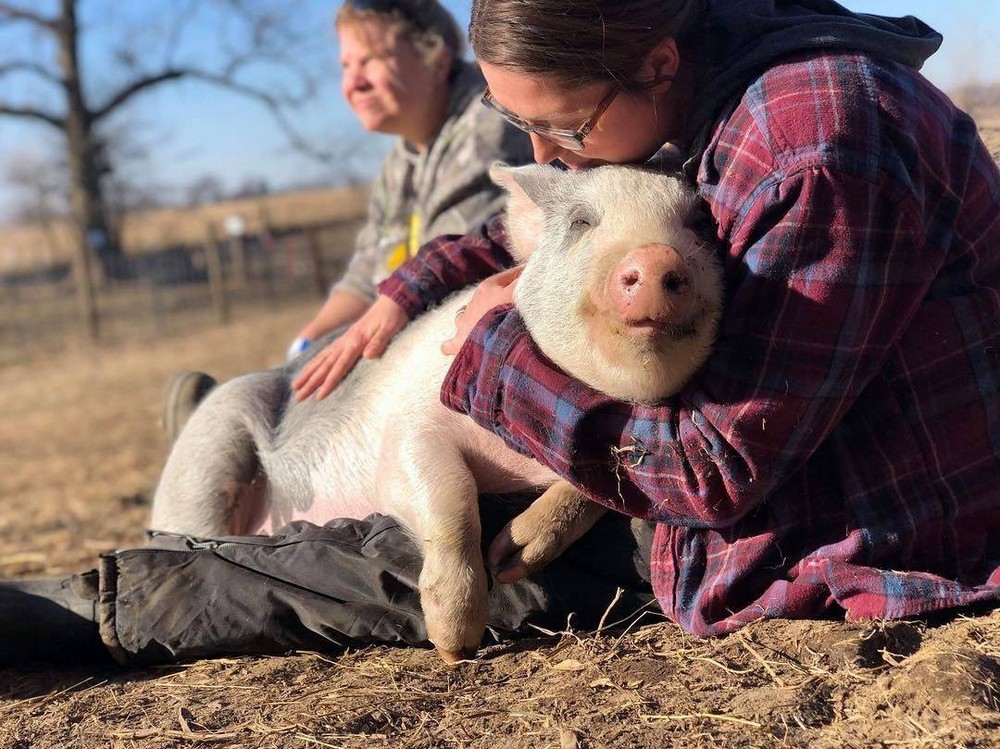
[(618, 292)]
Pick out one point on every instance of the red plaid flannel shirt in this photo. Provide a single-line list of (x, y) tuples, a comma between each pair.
[(840, 450)]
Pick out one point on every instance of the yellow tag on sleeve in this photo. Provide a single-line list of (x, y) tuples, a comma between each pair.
[(397, 257), (414, 234)]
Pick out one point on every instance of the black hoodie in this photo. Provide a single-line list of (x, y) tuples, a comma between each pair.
[(739, 39)]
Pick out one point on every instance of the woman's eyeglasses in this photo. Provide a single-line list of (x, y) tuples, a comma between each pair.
[(571, 140)]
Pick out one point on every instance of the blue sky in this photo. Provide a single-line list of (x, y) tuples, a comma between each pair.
[(195, 130)]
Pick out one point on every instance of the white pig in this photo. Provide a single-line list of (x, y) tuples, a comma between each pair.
[(618, 291)]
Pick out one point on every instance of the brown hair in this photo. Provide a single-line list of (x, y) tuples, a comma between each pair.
[(426, 23), (579, 41)]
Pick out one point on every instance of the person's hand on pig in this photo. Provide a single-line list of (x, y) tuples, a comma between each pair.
[(366, 338), (492, 292)]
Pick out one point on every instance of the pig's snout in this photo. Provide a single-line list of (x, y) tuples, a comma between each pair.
[(651, 286)]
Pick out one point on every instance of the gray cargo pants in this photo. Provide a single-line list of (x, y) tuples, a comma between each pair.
[(345, 583)]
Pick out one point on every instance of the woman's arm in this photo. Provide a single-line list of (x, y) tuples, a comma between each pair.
[(823, 273), (446, 264), (442, 266)]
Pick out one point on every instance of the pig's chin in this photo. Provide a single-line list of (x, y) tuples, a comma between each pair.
[(644, 360), (648, 333)]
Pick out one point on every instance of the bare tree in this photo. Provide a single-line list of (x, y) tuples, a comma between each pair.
[(207, 189), (252, 33), (40, 187), (252, 187)]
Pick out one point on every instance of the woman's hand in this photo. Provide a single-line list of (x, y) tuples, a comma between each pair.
[(368, 337), (492, 292)]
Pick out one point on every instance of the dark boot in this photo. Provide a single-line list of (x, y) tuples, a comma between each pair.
[(50, 619), (184, 393)]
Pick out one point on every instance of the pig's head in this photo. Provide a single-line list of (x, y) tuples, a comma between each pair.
[(618, 290)]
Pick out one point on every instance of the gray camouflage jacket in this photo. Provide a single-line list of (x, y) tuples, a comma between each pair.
[(445, 190)]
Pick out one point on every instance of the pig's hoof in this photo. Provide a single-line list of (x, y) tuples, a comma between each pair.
[(453, 597), (525, 545), (452, 656)]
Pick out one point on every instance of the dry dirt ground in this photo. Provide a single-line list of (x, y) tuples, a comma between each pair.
[(79, 451)]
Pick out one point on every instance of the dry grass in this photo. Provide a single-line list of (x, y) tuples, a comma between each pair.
[(989, 129), (79, 450)]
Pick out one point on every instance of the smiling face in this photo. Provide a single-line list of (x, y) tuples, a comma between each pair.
[(387, 83), (618, 291)]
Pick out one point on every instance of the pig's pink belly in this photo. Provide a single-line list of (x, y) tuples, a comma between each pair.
[(327, 505), (325, 510)]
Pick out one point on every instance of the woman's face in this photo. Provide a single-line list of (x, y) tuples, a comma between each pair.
[(386, 82), (630, 131)]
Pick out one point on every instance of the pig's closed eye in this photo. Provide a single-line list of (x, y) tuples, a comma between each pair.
[(581, 221)]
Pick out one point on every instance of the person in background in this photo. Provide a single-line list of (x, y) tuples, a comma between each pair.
[(403, 75)]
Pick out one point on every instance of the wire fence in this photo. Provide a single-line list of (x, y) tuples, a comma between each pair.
[(167, 291)]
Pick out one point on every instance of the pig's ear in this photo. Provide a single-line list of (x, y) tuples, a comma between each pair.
[(502, 175), (534, 182), (539, 182), (524, 217)]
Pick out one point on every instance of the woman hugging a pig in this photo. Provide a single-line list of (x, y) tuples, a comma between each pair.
[(838, 452)]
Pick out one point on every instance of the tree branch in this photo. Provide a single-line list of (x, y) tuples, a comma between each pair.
[(33, 114), (173, 37), (30, 67), (13, 13), (275, 104), (222, 80), (133, 88)]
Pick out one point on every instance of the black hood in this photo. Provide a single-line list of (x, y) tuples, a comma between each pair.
[(739, 39)]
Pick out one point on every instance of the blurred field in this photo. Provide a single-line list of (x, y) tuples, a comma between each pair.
[(990, 130), (42, 317)]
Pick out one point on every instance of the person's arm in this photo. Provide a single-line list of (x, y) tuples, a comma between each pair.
[(447, 264), (339, 309), (442, 266), (349, 298), (823, 273)]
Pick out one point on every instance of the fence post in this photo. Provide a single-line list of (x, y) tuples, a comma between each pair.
[(268, 246), (216, 276), (316, 260), (156, 307)]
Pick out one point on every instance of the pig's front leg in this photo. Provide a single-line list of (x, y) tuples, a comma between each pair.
[(430, 488), (542, 532)]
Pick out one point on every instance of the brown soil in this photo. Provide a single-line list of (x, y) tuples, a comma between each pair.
[(79, 450)]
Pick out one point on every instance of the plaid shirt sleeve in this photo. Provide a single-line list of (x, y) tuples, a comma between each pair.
[(446, 264), (807, 335)]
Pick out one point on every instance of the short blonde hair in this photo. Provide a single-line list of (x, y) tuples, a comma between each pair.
[(426, 23)]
